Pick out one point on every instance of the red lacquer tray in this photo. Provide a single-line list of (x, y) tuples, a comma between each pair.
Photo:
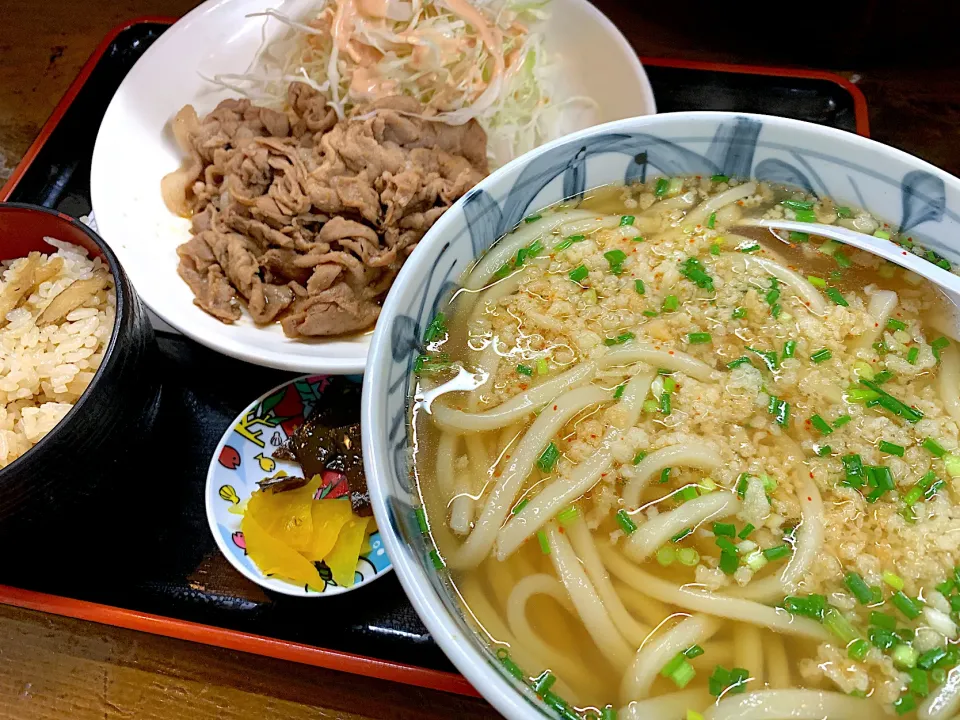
[(185, 589)]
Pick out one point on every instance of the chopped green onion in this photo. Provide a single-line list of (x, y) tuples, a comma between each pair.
[(729, 562), (853, 467), (725, 543), (694, 651), (421, 520), (931, 658), (798, 237), (841, 421), (858, 586), (742, 485), (835, 622), (919, 682), (688, 556), (891, 448), (650, 313), (608, 713), (661, 188), (821, 355), (618, 393), (934, 447), (567, 242), (437, 561), (894, 324), (725, 681), (681, 535), (811, 606), (843, 211), (745, 533), (615, 258), (938, 345), (727, 529), (881, 377), (638, 457), (503, 270), (883, 621), (619, 339), (520, 506), (626, 220), (739, 312), (671, 303), (435, 329), (837, 297), (824, 450), (693, 271), (772, 296), (888, 402), (738, 362), (817, 281), (805, 216), (666, 555), (913, 355), (751, 248), (579, 273), (683, 675), (882, 639), (777, 552), (858, 649), (532, 218), (712, 220), (543, 683), (893, 580), (769, 358), (664, 475), (625, 522), (719, 178), (504, 657), (544, 542), (568, 515), (828, 248), (821, 425), (525, 370), (843, 261), (699, 338), (789, 347), (548, 458), (798, 204), (904, 657), (906, 605), (639, 287), (714, 249), (665, 407), (689, 493), (781, 410), (669, 384)]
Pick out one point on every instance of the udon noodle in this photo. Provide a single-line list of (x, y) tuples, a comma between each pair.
[(681, 468)]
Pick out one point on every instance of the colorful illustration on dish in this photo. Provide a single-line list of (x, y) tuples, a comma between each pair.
[(244, 457)]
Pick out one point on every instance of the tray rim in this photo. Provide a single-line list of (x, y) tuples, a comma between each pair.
[(302, 653)]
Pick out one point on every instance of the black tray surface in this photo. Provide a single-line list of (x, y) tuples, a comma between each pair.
[(147, 547)]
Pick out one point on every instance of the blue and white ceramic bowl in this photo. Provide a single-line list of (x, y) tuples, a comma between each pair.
[(893, 186)]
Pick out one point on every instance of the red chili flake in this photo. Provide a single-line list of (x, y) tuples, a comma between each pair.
[(554, 407), (670, 352), (876, 324), (560, 529), (903, 253), (593, 437), (809, 499), (811, 475)]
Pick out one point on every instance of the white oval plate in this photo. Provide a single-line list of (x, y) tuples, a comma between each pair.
[(135, 149)]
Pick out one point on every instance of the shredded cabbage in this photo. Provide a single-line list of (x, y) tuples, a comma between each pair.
[(356, 51)]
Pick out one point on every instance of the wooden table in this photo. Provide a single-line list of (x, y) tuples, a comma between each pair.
[(54, 667)]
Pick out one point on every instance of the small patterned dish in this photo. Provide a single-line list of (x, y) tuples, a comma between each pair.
[(244, 456)]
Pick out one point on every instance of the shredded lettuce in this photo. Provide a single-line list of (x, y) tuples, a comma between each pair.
[(500, 75)]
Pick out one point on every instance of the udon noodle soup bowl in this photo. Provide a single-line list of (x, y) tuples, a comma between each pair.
[(892, 185)]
